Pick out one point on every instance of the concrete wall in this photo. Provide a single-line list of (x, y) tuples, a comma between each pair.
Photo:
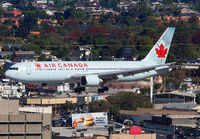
[(4, 137), (35, 137), (142, 136), (184, 122), (49, 101), (46, 118), (4, 129), (127, 136), (36, 109), (47, 135), (33, 117), (34, 128), (46, 128), (9, 107), (33, 101), (17, 118), (3, 118), (18, 128), (29, 125), (58, 100), (16, 137)]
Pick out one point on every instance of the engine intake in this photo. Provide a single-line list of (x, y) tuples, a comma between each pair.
[(90, 80)]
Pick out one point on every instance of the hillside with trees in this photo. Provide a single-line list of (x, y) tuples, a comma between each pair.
[(136, 27)]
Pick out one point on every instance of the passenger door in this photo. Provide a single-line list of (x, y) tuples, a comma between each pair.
[(28, 70)]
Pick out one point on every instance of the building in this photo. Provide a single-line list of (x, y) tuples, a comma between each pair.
[(128, 54), (86, 99), (16, 124), (22, 56), (63, 88), (182, 106), (85, 50), (50, 101), (6, 5), (5, 54), (36, 109), (164, 118), (175, 97), (11, 90)]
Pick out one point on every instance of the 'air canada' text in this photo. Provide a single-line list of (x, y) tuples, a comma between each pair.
[(60, 65)]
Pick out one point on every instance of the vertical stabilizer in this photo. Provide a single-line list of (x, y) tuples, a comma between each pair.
[(159, 52)]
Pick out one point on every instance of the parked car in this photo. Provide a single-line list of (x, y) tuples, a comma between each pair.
[(55, 123), (178, 132), (62, 119), (170, 136), (182, 136), (188, 133)]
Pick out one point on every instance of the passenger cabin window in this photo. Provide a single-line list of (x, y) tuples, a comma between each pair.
[(13, 68)]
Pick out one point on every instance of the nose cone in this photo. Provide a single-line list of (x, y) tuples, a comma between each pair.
[(10, 74), (7, 74)]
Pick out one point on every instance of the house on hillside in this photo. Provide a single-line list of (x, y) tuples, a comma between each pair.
[(22, 56), (6, 5)]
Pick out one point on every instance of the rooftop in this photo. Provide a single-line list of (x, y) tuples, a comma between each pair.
[(181, 106), (178, 93), (155, 112)]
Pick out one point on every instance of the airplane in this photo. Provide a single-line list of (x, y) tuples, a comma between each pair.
[(94, 73)]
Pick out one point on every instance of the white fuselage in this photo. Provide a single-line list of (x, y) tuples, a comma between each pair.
[(63, 71)]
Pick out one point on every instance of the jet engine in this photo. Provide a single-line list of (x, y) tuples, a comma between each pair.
[(90, 80)]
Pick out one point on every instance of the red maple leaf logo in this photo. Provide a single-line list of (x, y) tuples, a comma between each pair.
[(38, 65), (161, 51)]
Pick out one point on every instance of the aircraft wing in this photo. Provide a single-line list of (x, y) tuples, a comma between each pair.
[(113, 75), (129, 72)]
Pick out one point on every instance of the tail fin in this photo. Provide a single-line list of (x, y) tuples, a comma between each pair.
[(159, 52)]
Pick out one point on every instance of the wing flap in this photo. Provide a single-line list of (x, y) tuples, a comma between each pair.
[(132, 71)]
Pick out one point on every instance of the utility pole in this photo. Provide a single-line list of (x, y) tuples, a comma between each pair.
[(110, 130), (197, 127), (174, 135), (151, 89)]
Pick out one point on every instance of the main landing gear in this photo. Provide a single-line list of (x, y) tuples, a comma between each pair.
[(101, 90), (79, 89)]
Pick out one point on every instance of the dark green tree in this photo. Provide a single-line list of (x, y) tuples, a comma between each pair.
[(198, 98), (99, 106), (130, 101), (59, 4), (69, 106), (144, 45), (182, 39), (30, 20), (42, 15)]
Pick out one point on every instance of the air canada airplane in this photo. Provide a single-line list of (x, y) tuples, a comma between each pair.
[(92, 73)]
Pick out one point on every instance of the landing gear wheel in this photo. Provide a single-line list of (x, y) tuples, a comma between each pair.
[(82, 88), (105, 88), (79, 90), (100, 90)]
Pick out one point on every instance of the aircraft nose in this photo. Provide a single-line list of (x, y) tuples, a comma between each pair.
[(6, 74)]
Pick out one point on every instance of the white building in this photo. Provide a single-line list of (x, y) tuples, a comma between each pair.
[(63, 88), (44, 1), (11, 90), (6, 5)]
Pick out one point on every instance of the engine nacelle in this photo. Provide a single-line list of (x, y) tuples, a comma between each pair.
[(90, 80)]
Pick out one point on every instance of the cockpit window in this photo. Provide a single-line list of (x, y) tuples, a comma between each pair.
[(13, 68)]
